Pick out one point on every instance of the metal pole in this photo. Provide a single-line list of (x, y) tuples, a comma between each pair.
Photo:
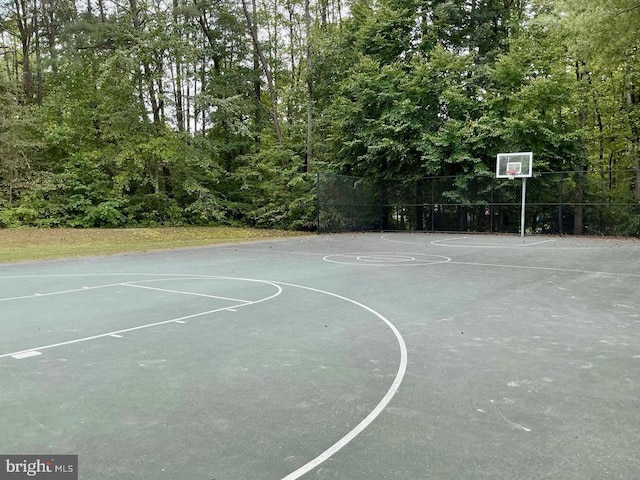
[(318, 200), (524, 194), (493, 188), (560, 188), (433, 204)]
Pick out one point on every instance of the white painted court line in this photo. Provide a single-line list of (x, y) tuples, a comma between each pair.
[(386, 259), (270, 250), (550, 269), (30, 353), (332, 450), (537, 243), (435, 242), (438, 243), (108, 334), (155, 324), (60, 292), (402, 368), (127, 284)]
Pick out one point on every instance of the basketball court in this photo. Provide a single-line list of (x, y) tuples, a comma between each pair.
[(355, 356)]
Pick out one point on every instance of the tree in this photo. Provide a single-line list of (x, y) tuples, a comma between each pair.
[(604, 46)]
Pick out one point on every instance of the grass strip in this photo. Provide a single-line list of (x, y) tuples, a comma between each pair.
[(19, 245)]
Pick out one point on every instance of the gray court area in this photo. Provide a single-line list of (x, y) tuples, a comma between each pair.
[(366, 356)]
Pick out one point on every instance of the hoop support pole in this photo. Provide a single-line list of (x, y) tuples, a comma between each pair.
[(522, 212)]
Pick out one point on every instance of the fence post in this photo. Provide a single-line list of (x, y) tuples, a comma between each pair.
[(381, 194), (433, 204), (560, 188), (491, 207), (419, 204), (318, 200)]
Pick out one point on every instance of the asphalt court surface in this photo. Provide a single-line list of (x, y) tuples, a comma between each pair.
[(377, 356)]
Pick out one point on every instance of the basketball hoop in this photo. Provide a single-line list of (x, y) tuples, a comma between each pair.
[(512, 166)]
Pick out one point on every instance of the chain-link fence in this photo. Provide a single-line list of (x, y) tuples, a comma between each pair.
[(594, 202)]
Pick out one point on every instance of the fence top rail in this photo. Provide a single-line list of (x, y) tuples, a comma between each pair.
[(485, 204), (487, 175)]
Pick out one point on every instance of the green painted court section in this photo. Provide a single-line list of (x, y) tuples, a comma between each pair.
[(360, 356)]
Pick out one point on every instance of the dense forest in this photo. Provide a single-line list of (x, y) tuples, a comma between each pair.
[(198, 112)]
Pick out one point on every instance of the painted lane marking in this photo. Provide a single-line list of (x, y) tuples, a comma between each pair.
[(438, 243), (60, 292), (182, 293), (109, 334), (114, 335), (387, 239), (453, 239), (126, 284), (537, 243), (179, 321), (336, 447), (529, 267), (549, 269), (27, 354), (155, 324)]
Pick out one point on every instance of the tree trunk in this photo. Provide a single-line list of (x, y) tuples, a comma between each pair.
[(632, 102), (177, 78), (25, 23), (146, 68), (266, 70), (307, 17), (101, 10), (578, 218), (36, 30), (257, 85)]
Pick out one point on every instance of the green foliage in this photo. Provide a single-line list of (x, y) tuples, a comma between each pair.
[(160, 116), (275, 191), (105, 214), (13, 217)]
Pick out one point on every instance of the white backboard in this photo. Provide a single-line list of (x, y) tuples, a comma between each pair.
[(514, 165)]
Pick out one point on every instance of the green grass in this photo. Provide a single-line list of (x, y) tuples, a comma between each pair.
[(19, 245)]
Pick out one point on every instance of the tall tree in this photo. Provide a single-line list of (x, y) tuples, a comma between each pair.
[(604, 37), (253, 32)]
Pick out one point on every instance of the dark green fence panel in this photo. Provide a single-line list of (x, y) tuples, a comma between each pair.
[(596, 202)]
